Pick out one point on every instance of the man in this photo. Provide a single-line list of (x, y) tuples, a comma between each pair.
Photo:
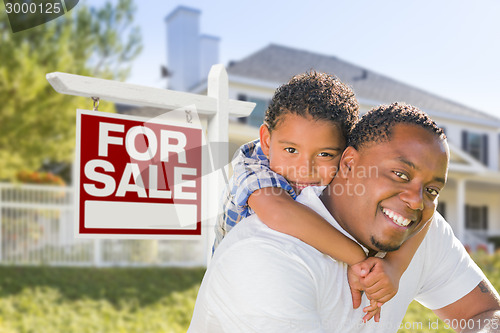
[(385, 192)]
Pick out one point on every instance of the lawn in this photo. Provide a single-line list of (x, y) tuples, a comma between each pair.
[(66, 300), (58, 299)]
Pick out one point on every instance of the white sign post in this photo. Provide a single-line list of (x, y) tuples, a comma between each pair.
[(215, 107)]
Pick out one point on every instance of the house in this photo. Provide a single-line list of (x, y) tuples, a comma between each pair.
[(471, 200)]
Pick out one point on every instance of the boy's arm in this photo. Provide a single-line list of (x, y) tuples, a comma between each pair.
[(280, 212)]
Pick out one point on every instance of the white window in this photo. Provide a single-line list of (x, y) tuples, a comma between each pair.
[(256, 118), (476, 145), (476, 217)]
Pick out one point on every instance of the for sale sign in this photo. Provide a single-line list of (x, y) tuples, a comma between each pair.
[(137, 178)]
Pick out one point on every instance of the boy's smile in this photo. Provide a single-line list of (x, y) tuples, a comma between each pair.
[(303, 150)]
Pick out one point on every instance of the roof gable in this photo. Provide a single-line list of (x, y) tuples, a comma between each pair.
[(278, 64)]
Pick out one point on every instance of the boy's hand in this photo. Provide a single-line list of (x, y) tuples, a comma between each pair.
[(372, 310), (377, 278), (354, 275), (381, 282)]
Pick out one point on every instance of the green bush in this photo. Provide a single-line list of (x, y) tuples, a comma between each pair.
[(53, 299), (58, 299), (419, 319)]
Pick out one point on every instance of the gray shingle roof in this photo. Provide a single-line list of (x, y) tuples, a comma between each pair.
[(278, 64)]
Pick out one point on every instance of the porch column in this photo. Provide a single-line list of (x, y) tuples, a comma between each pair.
[(461, 209)]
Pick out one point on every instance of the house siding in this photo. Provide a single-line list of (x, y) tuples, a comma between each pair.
[(454, 134)]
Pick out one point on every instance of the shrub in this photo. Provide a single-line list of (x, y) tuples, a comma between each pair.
[(36, 177)]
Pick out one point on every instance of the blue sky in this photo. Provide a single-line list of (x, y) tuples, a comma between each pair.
[(450, 48)]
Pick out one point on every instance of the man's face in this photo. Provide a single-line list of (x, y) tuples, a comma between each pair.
[(303, 150), (391, 190)]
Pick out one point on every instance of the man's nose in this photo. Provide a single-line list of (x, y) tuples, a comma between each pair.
[(413, 196)]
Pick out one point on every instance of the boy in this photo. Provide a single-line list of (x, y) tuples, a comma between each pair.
[(301, 142)]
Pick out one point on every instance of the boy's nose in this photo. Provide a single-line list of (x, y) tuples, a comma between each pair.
[(309, 166)]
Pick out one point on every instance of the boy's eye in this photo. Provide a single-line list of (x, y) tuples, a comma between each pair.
[(401, 175), (324, 154), (291, 150)]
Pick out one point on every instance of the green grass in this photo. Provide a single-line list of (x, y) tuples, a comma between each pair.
[(49, 299), (419, 319), (54, 299)]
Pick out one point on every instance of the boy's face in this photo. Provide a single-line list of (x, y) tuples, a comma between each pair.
[(303, 150), (390, 189)]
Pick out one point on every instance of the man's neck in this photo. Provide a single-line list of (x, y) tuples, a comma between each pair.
[(334, 204)]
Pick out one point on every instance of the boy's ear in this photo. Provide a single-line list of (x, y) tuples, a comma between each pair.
[(265, 139), (348, 160)]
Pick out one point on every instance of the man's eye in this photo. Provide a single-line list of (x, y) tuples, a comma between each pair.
[(291, 150), (433, 192), (401, 175)]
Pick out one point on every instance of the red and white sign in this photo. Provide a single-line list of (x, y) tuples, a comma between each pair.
[(137, 178)]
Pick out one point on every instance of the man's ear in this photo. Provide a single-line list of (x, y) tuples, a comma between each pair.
[(265, 139), (348, 160)]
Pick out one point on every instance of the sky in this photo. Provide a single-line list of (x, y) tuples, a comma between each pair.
[(449, 47)]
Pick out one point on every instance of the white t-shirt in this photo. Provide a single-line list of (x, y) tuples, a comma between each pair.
[(261, 280)]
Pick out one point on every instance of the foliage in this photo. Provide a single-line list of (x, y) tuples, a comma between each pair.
[(37, 124), (36, 177), (419, 319), (49, 299)]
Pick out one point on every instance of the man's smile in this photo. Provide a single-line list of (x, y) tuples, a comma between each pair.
[(397, 218)]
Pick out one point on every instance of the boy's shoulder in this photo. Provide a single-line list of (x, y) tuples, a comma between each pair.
[(252, 149), (249, 147), (250, 154)]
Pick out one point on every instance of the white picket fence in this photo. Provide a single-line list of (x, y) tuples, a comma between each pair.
[(37, 227)]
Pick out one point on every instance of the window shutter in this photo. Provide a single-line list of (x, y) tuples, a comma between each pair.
[(485, 149), (242, 97), (441, 208), (464, 140), (467, 217), (485, 217)]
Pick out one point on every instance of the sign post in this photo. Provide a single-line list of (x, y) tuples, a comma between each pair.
[(129, 164)]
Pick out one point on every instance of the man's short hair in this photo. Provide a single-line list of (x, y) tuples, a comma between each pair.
[(319, 95), (376, 125)]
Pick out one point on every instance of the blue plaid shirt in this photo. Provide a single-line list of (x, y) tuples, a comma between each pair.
[(250, 172)]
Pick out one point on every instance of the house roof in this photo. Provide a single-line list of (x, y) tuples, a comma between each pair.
[(278, 64)]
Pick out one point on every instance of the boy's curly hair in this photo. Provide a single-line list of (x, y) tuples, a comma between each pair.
[(319, 95), (376, 125)]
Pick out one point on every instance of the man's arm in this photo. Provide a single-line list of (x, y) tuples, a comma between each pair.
[(478, 311)]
